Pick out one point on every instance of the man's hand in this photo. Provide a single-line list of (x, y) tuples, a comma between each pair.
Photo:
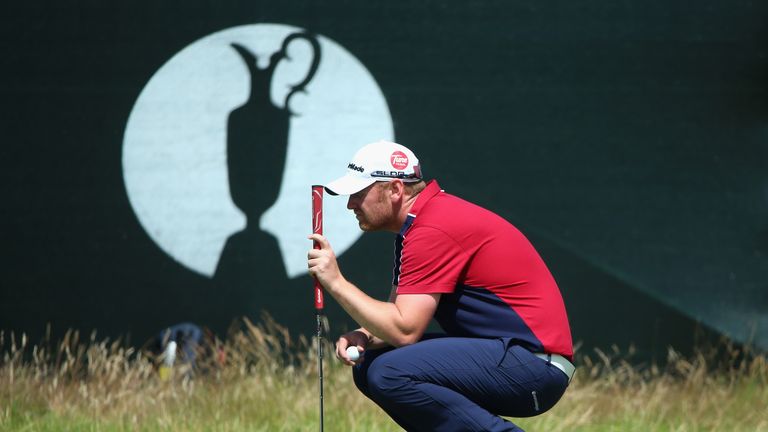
[(322, 263), (354, 338)]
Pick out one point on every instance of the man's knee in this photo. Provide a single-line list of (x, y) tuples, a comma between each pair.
[(385, 381)]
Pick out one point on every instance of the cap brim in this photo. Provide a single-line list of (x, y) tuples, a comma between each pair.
[(348, 185)]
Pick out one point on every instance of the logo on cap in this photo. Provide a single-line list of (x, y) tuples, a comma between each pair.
[(357, 168), (399, 160)]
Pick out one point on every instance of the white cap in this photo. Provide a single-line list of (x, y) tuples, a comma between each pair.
[(379, 161)]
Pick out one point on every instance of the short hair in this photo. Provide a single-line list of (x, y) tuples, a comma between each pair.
[(411, 188), (415, 187)]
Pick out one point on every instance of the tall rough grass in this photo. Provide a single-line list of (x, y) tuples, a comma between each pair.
[(269, 383), (707, 392)]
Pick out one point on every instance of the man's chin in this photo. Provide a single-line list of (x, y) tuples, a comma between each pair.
[(367, 227)]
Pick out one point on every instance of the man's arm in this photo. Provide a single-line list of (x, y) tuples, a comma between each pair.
[(361, 338), (374, 342), (427, 310), (400, 323), (397, 323)]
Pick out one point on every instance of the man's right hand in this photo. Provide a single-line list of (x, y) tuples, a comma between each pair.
[(356, 338)]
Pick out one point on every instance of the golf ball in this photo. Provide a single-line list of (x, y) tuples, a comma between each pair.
[(352, 353)]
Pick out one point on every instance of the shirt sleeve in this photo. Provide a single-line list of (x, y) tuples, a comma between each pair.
[(431, 262)]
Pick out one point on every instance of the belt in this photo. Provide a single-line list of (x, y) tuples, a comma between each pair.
[(559, 362)]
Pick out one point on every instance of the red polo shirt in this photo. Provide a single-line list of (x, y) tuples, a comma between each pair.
[(493, 282)]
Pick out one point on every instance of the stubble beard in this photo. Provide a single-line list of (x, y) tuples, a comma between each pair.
[(369, 225), (376, 218)]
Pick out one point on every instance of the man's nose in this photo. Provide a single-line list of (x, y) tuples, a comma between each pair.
[(350, 203)]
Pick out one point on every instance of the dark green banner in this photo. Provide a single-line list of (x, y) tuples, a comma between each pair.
[(157, 157)]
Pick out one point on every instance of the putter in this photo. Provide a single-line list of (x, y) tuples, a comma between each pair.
[(317, 228)]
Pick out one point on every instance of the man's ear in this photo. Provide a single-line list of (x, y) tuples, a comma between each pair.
[(396, 189)]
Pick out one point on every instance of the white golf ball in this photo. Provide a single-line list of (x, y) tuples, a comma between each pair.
[(353, 353)]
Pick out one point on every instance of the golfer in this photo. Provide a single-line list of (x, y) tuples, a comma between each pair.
[(507, 347)]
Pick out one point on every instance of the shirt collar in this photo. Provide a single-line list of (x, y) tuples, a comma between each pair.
[(424, 196)]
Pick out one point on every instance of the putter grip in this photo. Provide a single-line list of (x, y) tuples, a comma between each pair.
[(317, 228)]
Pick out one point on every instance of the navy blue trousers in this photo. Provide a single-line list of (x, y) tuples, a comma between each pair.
[(459, 384)]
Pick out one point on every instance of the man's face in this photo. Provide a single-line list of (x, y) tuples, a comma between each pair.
[(372, 207)]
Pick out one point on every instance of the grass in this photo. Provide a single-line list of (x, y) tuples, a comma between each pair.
[(269, 383)]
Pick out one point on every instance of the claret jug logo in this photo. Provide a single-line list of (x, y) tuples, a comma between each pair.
[(225, 139)]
